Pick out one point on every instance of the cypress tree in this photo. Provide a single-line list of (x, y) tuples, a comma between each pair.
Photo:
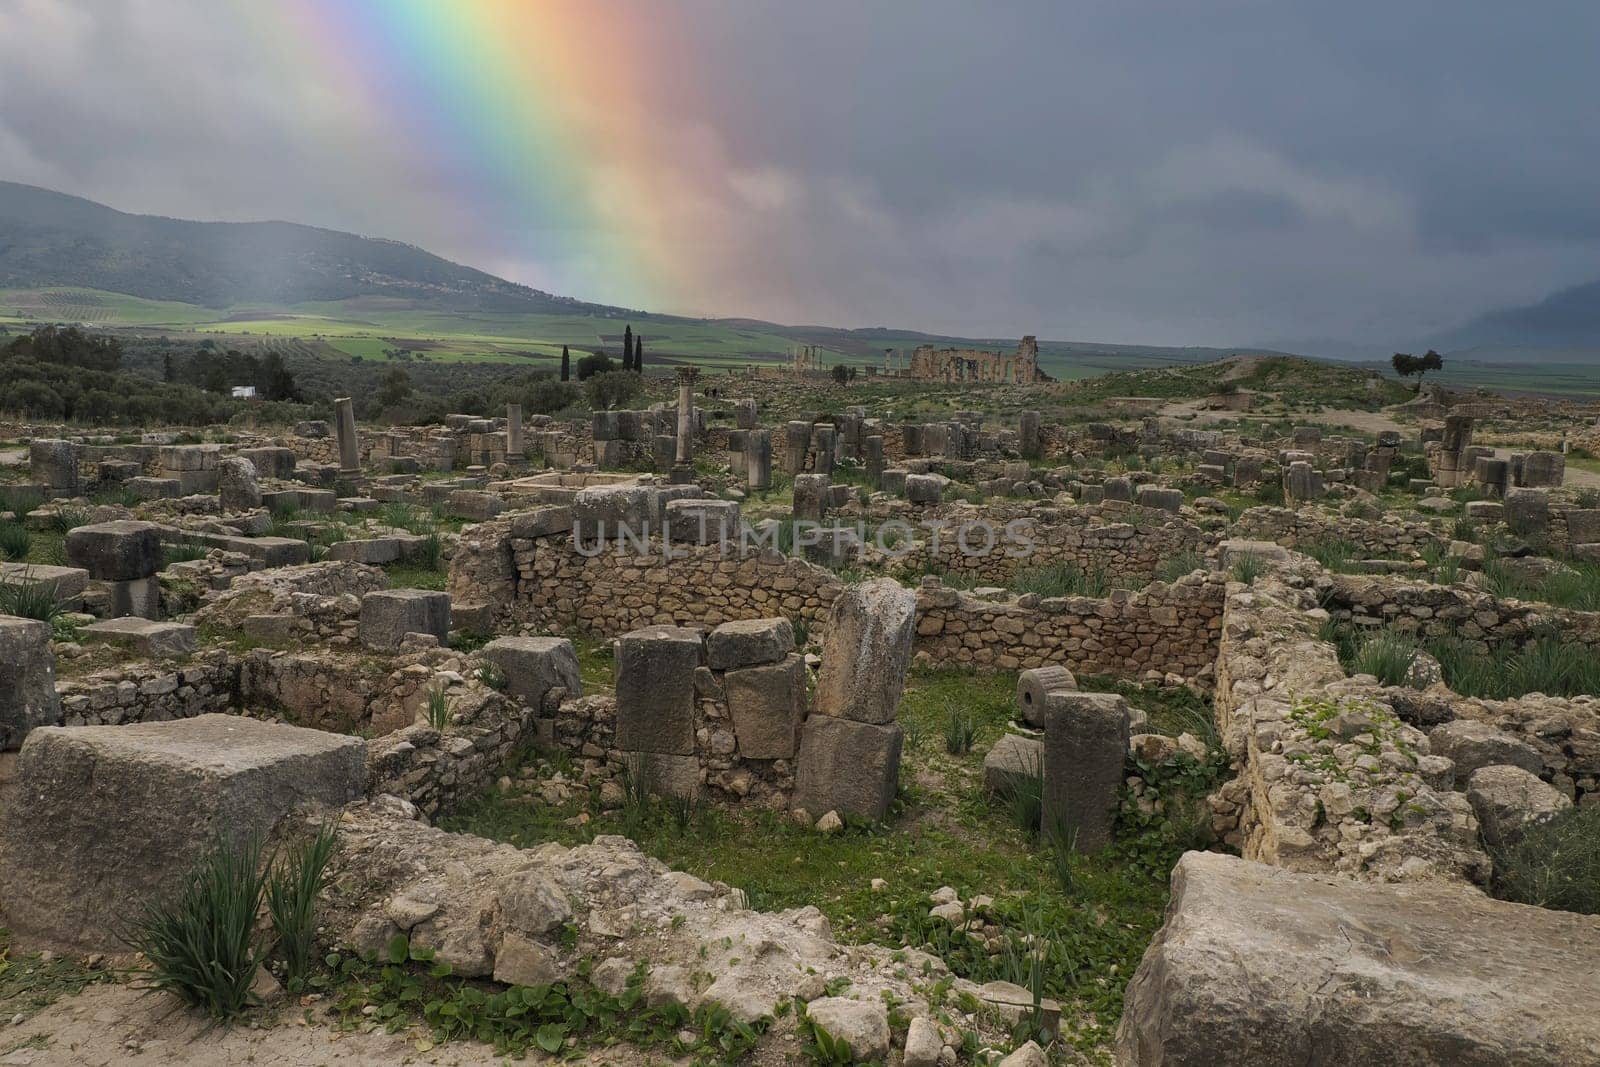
[(638, 354), (627, 348), (566, 364)]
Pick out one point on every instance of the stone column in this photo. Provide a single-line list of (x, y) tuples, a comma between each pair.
[(1085, 744), (875, 461), (686, 380), (758, 459), (1031, 443), (513, 431), (824, 434), (349, 444), (797, 441)]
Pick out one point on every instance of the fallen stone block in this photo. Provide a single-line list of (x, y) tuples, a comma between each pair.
[(1258, 965), (535, 665), (387, 615), (116, 551), (66, 584), (373, 550), (1508, 800), (1471, 744), (116, 815), (1013, 763), (143, 637)]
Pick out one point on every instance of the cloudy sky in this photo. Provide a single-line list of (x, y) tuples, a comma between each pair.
[(1143, 171)]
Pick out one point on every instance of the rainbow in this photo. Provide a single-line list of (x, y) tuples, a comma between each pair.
[(527, 116)]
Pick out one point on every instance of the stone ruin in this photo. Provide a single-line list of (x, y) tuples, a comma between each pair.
[(1347, 805), (931, 364)]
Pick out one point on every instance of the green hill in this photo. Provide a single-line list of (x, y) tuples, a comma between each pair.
[(48, 239)]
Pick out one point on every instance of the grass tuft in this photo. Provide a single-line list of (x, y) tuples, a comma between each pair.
[(292, 900), (201, 942), (1555, 864)]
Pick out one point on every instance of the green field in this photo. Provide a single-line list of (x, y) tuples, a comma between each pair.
[(377, 329), (381, 330)]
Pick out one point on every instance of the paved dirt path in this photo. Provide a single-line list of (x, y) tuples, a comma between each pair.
[(110, 1024)]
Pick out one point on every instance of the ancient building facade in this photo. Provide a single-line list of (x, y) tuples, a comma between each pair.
[(974, 365)]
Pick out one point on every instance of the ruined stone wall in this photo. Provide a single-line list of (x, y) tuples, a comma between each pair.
[(1291, 528), (1168, 629), (150, 692), (1120, 539), (435, 770), (547, 582), (1329, 778), (1441, 611)]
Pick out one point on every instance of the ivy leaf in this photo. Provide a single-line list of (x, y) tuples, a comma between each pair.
[(399, 948)]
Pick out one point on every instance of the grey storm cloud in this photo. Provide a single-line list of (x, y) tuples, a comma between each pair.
[(1169, 172)]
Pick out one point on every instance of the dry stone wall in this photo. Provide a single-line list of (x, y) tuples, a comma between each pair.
[(1381, 537), (1169, 629), (1329, 776)]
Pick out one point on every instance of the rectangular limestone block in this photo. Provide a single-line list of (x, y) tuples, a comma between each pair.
[(849, 767), (27, 680), (535, 665), (1258, 965), (371, 550), (871, 627), (387, 615), (1085, 746), (142, 637), (66, 583), (655, 689), (748, 642), (116, 815), (767, 704), (665, 774), (116, 551), (139, 597)]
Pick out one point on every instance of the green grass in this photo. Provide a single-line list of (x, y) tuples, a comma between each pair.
[(1577, 587), (1062, 579), (1547, 663), (409, 575), (946, 830), (1387, 656), (291, 892), (1556, 864)]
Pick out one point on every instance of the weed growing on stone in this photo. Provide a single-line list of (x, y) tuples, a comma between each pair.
[(30, 600), (1247, 569), (438, 709), (1387, 656)]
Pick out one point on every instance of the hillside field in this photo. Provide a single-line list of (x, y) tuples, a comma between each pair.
[(378, 330)]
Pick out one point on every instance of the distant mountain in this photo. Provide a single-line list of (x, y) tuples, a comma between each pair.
[(49, 238), (1567, 319)]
